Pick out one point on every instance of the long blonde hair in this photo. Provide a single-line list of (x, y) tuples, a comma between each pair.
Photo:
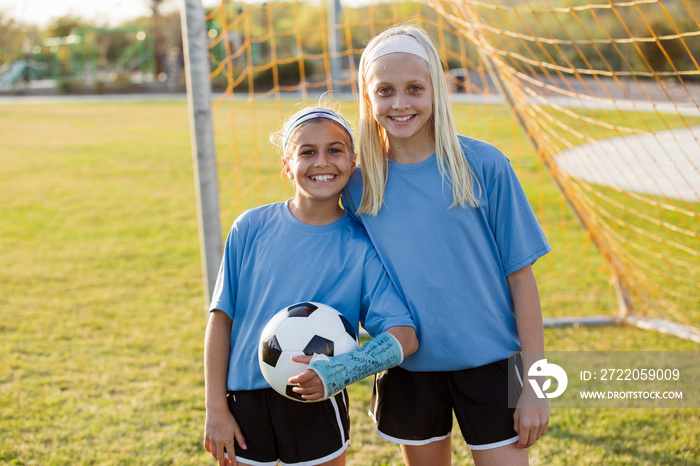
[(374, 143)]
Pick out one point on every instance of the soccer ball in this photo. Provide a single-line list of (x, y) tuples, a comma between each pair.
[(302, 328)]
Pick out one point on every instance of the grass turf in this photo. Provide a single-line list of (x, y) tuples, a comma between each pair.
[(102, 319)]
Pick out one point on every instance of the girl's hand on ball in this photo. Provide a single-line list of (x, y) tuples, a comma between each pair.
[(308, 383), (302, 358)]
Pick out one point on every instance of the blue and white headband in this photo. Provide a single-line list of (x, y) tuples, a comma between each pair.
[(317, 113)]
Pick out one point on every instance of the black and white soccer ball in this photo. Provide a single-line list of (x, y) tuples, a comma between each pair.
[(302, 328)]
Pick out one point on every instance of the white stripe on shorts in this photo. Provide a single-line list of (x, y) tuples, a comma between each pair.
[(334, 402), (253, 463), (517, 372), (318, 461), (401, 441), (490, 446), (345, 442)]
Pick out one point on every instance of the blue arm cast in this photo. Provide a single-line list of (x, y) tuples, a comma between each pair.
[(337, 372)]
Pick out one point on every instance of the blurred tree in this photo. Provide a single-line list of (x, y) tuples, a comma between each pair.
[(158, 46), (16, 39), (9, 34), (62, 27)]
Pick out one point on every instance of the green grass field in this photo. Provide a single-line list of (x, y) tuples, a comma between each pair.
[(102, 315)]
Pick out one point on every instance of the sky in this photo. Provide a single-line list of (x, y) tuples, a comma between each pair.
[(110, 12)]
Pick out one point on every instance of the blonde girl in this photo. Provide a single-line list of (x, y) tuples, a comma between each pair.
[(454, 229)]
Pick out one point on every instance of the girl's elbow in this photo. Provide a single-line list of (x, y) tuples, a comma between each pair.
[(411, 343)]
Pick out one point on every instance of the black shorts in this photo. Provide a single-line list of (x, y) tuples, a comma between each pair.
[(276, 428), (415, 408)]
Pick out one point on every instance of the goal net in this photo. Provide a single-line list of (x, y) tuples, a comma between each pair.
[(595, 102)]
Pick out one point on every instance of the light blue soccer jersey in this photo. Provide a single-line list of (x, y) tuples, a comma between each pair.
[(450, 263), (272, 260)]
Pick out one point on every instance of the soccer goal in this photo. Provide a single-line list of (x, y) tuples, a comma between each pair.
[(595, 102)]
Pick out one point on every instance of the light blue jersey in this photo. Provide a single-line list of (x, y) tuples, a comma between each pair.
[(272, 260), (450, 264)]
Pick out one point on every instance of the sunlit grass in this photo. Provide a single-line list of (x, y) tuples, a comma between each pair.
[(102, 314)]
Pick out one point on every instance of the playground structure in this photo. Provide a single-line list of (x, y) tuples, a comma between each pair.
[(98, 60)]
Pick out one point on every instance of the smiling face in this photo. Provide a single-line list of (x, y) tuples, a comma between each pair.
[(401, 94), (319, 158)]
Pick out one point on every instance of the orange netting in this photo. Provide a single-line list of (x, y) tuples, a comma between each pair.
[(596, 103)]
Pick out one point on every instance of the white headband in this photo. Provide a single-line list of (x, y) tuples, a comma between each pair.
[(317, 113), (398, 43)]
